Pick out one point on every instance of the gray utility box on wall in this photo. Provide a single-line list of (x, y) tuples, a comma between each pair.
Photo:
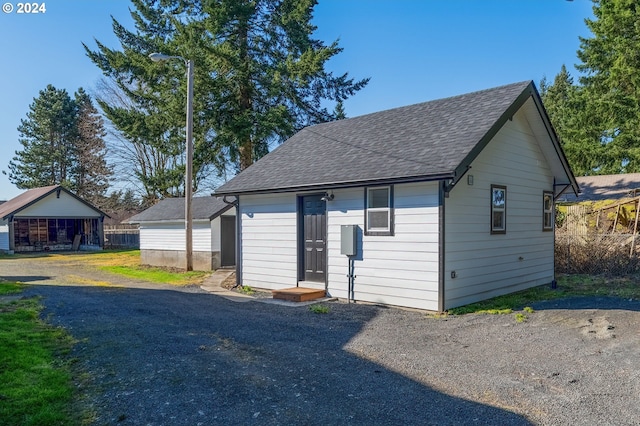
[(349, 240)]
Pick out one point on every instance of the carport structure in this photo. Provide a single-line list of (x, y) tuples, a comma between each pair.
[(50, 218)]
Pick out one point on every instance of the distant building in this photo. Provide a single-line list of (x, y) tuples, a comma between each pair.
[(163, 237), (604, 187), (50, 218)]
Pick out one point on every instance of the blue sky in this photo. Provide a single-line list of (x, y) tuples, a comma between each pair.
[(412, 50)]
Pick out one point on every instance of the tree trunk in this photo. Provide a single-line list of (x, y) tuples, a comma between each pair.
[(245, 147)]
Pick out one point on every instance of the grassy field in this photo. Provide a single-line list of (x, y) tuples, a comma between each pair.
[(124, 263), (35, 382)]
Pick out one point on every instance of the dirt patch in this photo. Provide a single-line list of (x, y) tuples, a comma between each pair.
[(230, 282)]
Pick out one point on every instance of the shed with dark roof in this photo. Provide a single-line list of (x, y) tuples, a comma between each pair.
[(450, 201), (50, 218), (162, 233)]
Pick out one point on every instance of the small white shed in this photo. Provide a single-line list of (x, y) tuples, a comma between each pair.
[(163, 237), (448, 202)]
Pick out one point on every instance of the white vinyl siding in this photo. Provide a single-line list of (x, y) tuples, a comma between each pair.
[(269, 240), (398, 270), (486, 264), (65, 206), (171, 236), (4, 235)]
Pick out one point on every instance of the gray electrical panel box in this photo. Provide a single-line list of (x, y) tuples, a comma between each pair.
[(349, 240)]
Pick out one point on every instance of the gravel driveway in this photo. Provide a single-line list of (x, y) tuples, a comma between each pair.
[(184, 357)]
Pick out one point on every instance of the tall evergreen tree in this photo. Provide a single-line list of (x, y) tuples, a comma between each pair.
[(63, 144), (611, 82), (47, 136), (91, 173), (260, 77), (339, 112), (566, 104)]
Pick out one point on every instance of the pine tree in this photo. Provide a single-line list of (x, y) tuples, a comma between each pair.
[(611, 82), (259, 78), (339, 113), (279, 83), (566, 105), (63, 144), (47, 136), (91, 172)]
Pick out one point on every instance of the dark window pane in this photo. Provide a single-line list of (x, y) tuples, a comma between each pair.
[(379, 198), (378, 220), (498, 220)]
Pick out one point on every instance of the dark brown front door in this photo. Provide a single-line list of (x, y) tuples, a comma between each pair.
[(227, 240), (314, 231)]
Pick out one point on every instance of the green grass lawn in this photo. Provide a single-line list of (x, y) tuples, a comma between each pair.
[(35, 385), (125, 263), (157, 275)]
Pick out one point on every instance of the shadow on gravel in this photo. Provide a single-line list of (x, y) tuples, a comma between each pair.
[(589, 302), (168, 357), (26, 278)]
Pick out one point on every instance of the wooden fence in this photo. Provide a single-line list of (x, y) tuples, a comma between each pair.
[(121, 236)]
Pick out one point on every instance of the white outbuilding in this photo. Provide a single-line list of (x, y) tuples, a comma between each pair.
[(430, 206), (163, 236)]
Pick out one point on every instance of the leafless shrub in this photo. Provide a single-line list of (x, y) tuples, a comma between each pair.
[(597, 253)]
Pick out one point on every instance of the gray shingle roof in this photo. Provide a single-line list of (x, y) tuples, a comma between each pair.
[(605, 187), (429, 140), (202, 208)]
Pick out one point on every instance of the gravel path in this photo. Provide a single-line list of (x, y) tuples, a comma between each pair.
[(184, 357)]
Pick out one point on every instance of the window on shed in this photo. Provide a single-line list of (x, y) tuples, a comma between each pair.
[(498, 209), (547, 211), (378, 218)]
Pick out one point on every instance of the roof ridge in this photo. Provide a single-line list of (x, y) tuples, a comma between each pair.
[(523, 83), (430, 140)]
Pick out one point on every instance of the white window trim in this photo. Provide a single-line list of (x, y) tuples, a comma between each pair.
[(550, 211), (503, 229), (388, 231)]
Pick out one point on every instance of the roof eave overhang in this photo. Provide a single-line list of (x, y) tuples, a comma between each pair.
[(528, 92), (165, 221), (212, 216), (46, 194), (338, 185), (572, 182), (221, 211), (465, 164)]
